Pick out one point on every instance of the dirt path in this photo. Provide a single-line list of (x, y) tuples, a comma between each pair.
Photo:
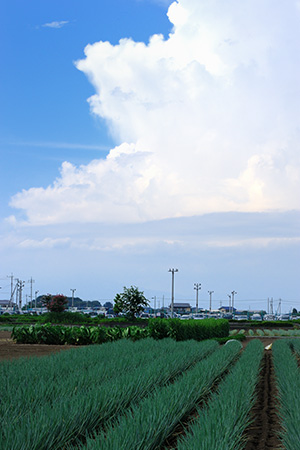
[(262, 433), (9, 349)]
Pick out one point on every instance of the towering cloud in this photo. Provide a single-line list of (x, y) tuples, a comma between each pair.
[(205, 120)]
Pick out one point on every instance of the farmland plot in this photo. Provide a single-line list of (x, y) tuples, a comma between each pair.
[(50, 402), (152, 395)]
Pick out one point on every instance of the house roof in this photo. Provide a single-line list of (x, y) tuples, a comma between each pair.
[(227, 308), (5, 302), (181, 305)]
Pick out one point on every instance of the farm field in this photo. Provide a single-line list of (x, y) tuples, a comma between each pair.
[(10, 350), (152, 394)]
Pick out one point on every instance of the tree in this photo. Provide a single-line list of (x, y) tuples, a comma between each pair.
[(294, 311), (55, 303), (130, 302)]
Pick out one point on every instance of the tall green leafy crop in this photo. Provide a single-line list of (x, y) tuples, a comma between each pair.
[(146, 425), (221, 424), (59, 402), (288, 381)]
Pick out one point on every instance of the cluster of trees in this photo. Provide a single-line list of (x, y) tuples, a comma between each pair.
[(129, 302)]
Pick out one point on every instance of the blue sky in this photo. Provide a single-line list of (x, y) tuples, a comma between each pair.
[(142, 135)]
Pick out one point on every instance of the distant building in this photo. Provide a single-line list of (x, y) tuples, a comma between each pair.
[(226, 309), (6, 303), (181, 308)]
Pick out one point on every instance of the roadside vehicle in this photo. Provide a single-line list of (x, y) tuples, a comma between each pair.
[(186, 316), (284, 317), (256, 317), (269, 317), (198, 316)]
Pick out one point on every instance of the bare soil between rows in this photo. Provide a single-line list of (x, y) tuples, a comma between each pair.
[(263, 432), (10, 350)]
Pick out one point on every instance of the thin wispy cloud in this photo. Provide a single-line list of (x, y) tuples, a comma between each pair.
[(55, 24), (56, 145)]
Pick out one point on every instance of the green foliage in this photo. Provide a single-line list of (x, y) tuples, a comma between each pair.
[(55, 303), (57, 400), (181, 330), (288, 383), (130, 302), (65, 317), (229, 407), (236, 337), (147, 424)]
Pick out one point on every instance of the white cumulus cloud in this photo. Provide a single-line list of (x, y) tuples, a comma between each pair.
[(205, 120)]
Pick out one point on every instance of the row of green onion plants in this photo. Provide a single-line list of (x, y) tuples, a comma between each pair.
[(147, 425), (288, 383), (267, 332), (49, 402), (229, 407)]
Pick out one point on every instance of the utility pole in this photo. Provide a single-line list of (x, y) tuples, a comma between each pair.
[(31, 281), (11, 288), (271, 306), (35, 294), (21, 284), (172, 298), (73, 290), (232, 303), (197, 286), (154, 298), (210, 296), (229, 296), (279, 308)]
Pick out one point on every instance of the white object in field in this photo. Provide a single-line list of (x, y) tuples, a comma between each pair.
[(234, 340), (268, 347)]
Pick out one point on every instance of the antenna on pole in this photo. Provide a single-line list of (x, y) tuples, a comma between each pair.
[(31, 281), (73, 290), (172, 299), (197, 286), (210, 296), (229, 296), (232, 303)]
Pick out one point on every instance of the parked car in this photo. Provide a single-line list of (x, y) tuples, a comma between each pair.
[(256, 317), (269, 317), (241, 317), (284, 317), (198, 316), (227, 316), (185, 317)]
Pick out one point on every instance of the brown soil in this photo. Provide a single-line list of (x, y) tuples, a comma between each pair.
[(9, 349), (263, 431)]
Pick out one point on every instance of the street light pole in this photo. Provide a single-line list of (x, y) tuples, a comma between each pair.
[(210, 295), (232, 303), (172, 298), (154, 298), (35, 294), (197, 286), (73, 290), (229, 296)]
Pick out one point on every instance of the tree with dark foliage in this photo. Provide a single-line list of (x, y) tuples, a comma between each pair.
[(55, 303), (130, 302)]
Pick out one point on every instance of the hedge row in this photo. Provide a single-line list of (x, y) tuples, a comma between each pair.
[(182, 330), (66, 318), (157, 329)]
